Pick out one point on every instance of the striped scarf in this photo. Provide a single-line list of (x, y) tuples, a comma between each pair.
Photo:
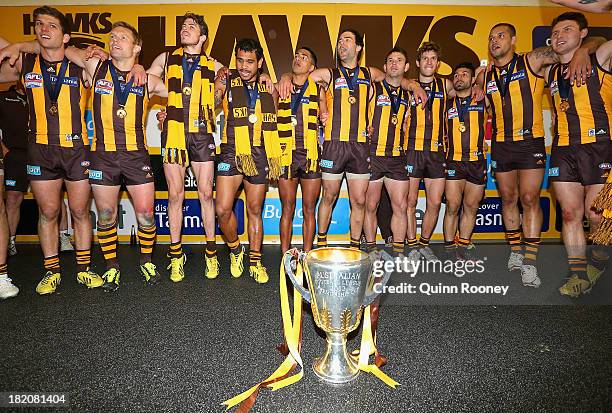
[(201, 102), (265, 127), (286, 130)]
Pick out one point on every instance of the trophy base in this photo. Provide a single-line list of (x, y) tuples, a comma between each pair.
[(336, 365)]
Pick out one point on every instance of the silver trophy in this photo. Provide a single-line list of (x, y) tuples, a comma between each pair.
[(340, 282)]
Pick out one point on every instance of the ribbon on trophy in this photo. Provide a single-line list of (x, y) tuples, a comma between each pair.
[(292, 329)]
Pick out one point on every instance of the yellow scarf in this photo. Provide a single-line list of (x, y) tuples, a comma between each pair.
[(603, 234), (247, 134), (201, 102), (286, 130)]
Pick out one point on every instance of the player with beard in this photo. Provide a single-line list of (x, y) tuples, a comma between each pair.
[(581, 157), (466, 166)]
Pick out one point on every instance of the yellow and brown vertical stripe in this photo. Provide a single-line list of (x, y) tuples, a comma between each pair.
[(67, 127), (347, 122), (426, 128), (517, 116), (589, 116), (466, 145), (112, 133), (388, 139)]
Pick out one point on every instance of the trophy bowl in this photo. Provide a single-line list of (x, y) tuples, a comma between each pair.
[(340, 285)]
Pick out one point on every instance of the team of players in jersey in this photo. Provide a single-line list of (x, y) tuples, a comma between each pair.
[(381, 129)]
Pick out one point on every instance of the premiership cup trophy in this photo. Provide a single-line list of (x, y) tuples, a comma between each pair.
[(340, 282)]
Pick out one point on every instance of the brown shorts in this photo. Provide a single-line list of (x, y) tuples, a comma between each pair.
[(48, 162), (588, 164), (115, 168), (426, 164), (15, 176), (350, 157), (392, 167), (299, 166), (200, 147), (510, 156), (227, 164), (472, 171)]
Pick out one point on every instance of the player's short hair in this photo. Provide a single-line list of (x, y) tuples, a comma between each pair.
[(397, 49), (465, 65), (429, 47), (573, 16), (199, 19), (508, 26), (358, 40), (52, 11), (132, 29), (313, 55), (249, 45)]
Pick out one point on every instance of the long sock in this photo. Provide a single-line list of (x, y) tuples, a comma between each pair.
[(513, 237), (3, 270), (176, 249), (463, 242), (424, 242), (107, 237), (577, 265), (52, 263), (321, 239), (234, 246), (370, 245), (146, 239), (211, 248), (450, 246), (254, 258), (83, 259), (412, 243), (398, 247), (600, 257), (531, 250)]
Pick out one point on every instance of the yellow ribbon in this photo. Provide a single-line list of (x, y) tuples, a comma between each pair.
[(291, 329)]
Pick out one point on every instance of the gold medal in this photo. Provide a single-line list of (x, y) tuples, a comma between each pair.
[(394, 119), (462, 127), (187, 90), (53, 109), (352, 100), (252, 118), (564, 105), (294, 121), (121, 113)]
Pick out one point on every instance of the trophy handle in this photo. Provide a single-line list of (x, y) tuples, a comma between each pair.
[(289, 271), (369, 298)]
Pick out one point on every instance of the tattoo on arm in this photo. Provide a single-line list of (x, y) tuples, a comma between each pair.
[(545, 52), (218, 97)]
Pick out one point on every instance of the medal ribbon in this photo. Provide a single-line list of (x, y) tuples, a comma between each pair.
[(351, 81), (53, 89), (189, 69), (461, 109), (122, 90), (504, 88), (297, 98), (395, 99), (431, 95), (252, 95), (563, 84)]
